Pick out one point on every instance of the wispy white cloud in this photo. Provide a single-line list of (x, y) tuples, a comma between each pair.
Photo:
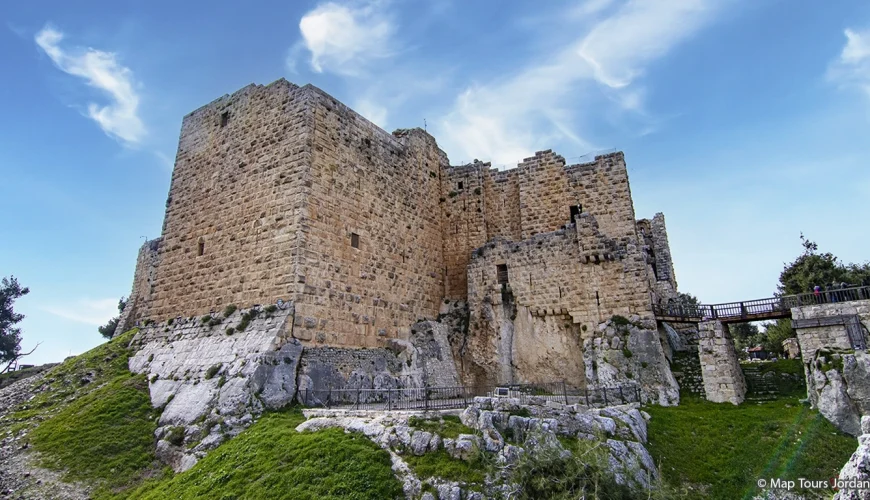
[(374, 112), (92, 312), (619, 47), (852, 67), (343, 39), (504, 121), (100, 70)]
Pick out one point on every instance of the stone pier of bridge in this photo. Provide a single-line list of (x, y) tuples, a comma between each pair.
[(720, 368)]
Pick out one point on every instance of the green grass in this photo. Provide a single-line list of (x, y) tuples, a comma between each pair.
[(721, 450), (94, 422), (105, 437), (449, 426), (271, 460), (441, 464), (790, 366), (65, 381)]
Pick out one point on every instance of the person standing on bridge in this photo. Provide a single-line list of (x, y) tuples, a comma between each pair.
[(817, 292)]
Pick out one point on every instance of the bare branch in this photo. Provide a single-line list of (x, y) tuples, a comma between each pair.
[(19, 356)]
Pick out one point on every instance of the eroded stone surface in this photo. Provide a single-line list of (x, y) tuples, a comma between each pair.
[(621, 429)]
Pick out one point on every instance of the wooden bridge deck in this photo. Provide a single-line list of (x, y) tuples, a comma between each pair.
[(755, 310)]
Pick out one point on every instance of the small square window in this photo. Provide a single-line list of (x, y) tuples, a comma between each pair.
[(460, 185), (354, 240), (225, 118), (201, 248)]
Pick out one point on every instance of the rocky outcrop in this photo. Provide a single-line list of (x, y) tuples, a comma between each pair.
[(838, 384), (505, 430), (629, 350), (213, 375), (854, 478)]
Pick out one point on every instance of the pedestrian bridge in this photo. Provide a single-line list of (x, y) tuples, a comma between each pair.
[(755, 310)]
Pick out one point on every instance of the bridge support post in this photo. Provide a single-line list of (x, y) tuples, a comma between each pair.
[(723, 378)]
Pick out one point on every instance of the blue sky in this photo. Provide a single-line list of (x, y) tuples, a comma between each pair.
[(746, 123)]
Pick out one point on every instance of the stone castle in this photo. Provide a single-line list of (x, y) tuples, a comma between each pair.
[(392, 267)]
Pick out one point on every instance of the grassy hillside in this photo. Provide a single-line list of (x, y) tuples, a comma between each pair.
[(721, 450), (94, 421), (271, 460)]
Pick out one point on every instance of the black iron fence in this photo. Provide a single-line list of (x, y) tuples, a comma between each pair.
[(442, 398), (761, 308)]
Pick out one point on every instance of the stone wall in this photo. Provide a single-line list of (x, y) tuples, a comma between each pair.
[(549, 274), (384, 189), (235, 203), (144, 277), (723, 378), (836, 364), (282, 192), (464, 221), (817, 333), (658, 253)]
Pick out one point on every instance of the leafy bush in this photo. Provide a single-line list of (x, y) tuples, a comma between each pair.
[(212, 371), (176, 436), (230, 309), (620, 320), (546, 472), (245, 321)]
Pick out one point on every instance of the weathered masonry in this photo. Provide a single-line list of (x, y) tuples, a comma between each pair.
[(282, 192)]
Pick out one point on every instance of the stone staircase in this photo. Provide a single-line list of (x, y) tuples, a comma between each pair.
[(758, 386), (687, 370)]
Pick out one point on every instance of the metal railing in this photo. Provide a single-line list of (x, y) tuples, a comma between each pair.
[(443, 398), (760, 308)]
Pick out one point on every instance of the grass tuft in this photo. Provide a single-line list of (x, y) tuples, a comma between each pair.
[(449, 426), (271, 460), (441, 465)]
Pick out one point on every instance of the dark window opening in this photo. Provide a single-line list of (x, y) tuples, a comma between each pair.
[(225, 118), (575, 211), (354, 240), (201, 248), (502, 272), (597, 299), (460, 185)]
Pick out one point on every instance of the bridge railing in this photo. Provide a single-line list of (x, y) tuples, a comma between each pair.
[(760, 308)]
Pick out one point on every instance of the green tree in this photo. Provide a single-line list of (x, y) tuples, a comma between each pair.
[(108, 330), (10, 335), (775, 333), (744, 335), (687, 299), (812, 268)]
